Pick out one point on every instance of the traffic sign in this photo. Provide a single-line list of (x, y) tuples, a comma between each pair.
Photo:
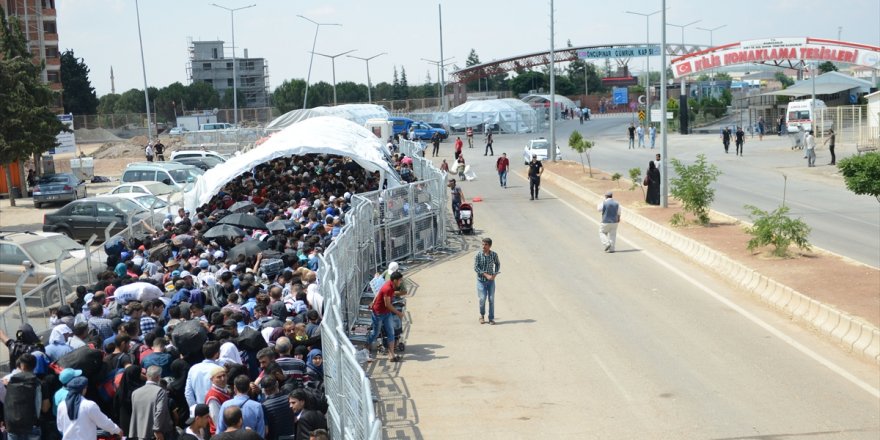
[(641, 115)]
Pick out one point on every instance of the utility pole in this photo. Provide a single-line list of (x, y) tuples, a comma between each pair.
[(312, 59), (369, 84), (234, 62), (144, 69), (333, 63), (647, 61), (552, 147), (664, 154), (442, 67)]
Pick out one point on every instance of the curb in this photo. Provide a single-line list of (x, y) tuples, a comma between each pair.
[(852, 332)]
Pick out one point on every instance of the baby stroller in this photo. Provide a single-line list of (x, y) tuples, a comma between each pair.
[(465, 219)]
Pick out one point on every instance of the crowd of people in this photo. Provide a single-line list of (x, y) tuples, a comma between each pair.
[(189, 335)]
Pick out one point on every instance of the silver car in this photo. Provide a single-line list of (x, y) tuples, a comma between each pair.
[(61, 187)]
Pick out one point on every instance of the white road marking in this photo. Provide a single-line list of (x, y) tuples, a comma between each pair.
[(840, 371), (613, 378)]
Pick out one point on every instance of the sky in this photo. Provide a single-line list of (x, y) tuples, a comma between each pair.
[(105, 34)]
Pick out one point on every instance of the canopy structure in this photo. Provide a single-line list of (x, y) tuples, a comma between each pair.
[(544, 100), (321, 135), (357, 113), (510, 115), (826, 84)]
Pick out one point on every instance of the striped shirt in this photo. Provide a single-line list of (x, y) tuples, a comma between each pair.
[(486, 264)]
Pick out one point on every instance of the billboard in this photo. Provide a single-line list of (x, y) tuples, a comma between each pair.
[(620, 95), (776, 49), (619, 52), (66, 141)]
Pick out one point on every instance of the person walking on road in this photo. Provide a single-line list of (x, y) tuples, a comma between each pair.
[(830, 142), (435, 140), (458, 145), (502, 165), (610, 219), (810, 149), (760, 128), (148, 152), (640, 132), (489, 143), (159, 149), (536, 168), (457, 197), (725, 138), (470, 136), (652, 132), (740, 140), (487, 266), (632, 135)]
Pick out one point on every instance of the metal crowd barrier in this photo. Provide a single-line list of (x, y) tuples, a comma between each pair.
[(382, 226)]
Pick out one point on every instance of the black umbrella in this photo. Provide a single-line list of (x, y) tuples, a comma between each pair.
[(248, 249), (244, 206), (277, 226), (243, 221), (224, 231)]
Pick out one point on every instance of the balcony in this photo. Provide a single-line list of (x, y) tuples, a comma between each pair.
[(50, 37), (53, 62)]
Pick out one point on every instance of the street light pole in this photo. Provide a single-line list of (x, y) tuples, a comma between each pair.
[(552, 147), (144, 69), (440, 69), (647, 59), (333, 63), (312, 59), (664, 124), (234, 62), (683, 91), (369, 84)]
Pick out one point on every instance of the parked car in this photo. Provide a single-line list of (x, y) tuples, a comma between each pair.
[(539, 147), (177, 131), (197, 153), (421, 130), (169, 173), (148, 202), (84, 217), (438, 126), (61, 187), (202, 163), (157, 189), (42, 249)]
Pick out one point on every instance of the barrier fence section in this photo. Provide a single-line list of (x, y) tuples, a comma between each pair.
[(382, 226)]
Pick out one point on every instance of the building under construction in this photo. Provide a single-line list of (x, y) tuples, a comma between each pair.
[(40, 28), (208, 63)]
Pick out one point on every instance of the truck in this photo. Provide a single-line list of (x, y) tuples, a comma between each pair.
[(195, 122)]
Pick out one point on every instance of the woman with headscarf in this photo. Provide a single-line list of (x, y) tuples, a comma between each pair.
[(131, 380), (120, 270), (229, 354), (78, 417), (315, 365), (652, 181)]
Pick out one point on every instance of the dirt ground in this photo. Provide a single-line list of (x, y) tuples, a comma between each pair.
[(842, 283)]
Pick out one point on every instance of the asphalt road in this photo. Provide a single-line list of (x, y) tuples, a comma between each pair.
[(841, 221), (635, 344)]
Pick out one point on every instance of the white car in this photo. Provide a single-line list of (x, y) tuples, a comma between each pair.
[(148, 202), (177, 131), (180, 154), (157, 189), (539, 147)]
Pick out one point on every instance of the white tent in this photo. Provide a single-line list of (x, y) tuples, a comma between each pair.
[(511, 115), (540, 100), (357, 113), (322, 135)]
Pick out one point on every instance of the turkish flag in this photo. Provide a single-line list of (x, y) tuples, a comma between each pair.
[(683, 68)]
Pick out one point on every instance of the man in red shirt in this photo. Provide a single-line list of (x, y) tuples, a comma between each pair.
[(502, 165), (458, 145), (382, 313)]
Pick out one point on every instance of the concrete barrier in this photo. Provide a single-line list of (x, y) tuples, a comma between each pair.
[(853, 333)]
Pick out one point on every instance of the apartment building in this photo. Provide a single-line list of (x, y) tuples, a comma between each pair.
[(208, 63), (40, 26)]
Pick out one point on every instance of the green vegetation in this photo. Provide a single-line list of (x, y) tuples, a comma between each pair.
[(778, 229), (616, 178), (862, 173), (577, 143), (78, 94), (692, 185), (635, 176)]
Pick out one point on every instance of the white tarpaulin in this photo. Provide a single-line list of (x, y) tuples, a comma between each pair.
[(544, 100), (511, 115), (321, 135), (357, 113)]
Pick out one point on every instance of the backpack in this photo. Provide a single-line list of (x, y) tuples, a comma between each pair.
[(20, 406), (110, 382), (19, 348)]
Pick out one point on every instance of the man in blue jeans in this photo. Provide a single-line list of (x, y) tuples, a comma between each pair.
[(487, 266), (383, 310)]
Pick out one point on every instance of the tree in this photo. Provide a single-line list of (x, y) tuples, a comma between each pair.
[(78, 94), (472, 60), (692, 185), (107, 103), (348, 91), (404, 84), (723, 76), (527, 81), (862, 173), (827, 66), (289, 95), (27, 124), (784, 79), (201, 95), (577, 143)]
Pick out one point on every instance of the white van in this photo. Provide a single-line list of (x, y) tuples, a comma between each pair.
[(800, 114)]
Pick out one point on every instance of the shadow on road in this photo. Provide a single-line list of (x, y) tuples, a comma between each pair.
[(516, 321)]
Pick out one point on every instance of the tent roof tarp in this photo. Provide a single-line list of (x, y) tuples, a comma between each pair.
[(357, 113), (561, 101), (321, 135), (511, 115), (826, 84)]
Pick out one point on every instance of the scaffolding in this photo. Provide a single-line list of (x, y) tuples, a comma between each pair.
[(208, 63)]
